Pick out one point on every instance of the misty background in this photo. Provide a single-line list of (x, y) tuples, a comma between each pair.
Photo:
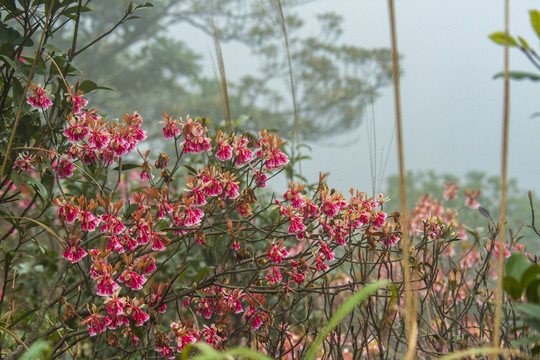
[(451, 104)]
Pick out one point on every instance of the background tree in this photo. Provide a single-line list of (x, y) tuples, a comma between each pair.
[(159, 71)]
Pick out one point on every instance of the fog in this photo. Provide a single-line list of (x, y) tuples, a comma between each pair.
[(451, 105)]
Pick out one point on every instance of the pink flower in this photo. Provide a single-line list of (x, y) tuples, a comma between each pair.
[(171, 129), (98, 139), (146, 264), (260, 179), (224, 149), (23, 161), (68, 212), (471, 201), (296, 226), (390, 240), (277, 252), (330, 208), (128, 241), (243, 154), (158, 241), (273, 276), (275, 158), (39, 98), (192, 216), (211, 186), (230, 186), (139, 316), (95, 324), (326, 252), (112, 224), (132, 279), (450, 190), (76, 132), (195, 141), (320, 264), (115, 245), (106, 285), (378, 218), (116, 306), (78, 102), (73, 252), (64, 168), (89, 222)]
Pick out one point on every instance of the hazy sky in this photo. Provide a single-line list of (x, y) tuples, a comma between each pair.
[(451, 106)]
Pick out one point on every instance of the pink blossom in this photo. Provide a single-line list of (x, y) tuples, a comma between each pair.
[(471, 201), (64, 168), (73, 252), (192, 216), (243, 154), (78, 102), (68, 212), (115, 245), (230, 188), (260, 179), (211, 186), (273, 275), (139, 316), (76, 132), (95, 324), (326, 252), (132, 279), (106, 285), (89, 222), (296, 225), (450, 190), (277, 252), (39, 98)]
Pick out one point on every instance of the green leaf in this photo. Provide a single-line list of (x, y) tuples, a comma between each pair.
[(88, 86), (533, 292), (535, 21), (512, 287), (38, 186), (516, 265), (39, 350), (203, 272), (191, 170), (341, 312), (128, 166), (530, 275), (524, 43), (533, 339), (518, 75), (498, 37), (532, 310)]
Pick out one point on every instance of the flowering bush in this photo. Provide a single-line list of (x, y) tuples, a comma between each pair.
[(105, 256)]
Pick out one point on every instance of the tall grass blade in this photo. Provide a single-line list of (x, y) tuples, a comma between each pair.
[(343, 310), (222, 81)]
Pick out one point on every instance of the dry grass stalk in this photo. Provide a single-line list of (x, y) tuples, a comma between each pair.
[(504, 170), (410, 296)]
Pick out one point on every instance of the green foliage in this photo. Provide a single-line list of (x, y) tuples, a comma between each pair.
[(523, 278), (499, 37)]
